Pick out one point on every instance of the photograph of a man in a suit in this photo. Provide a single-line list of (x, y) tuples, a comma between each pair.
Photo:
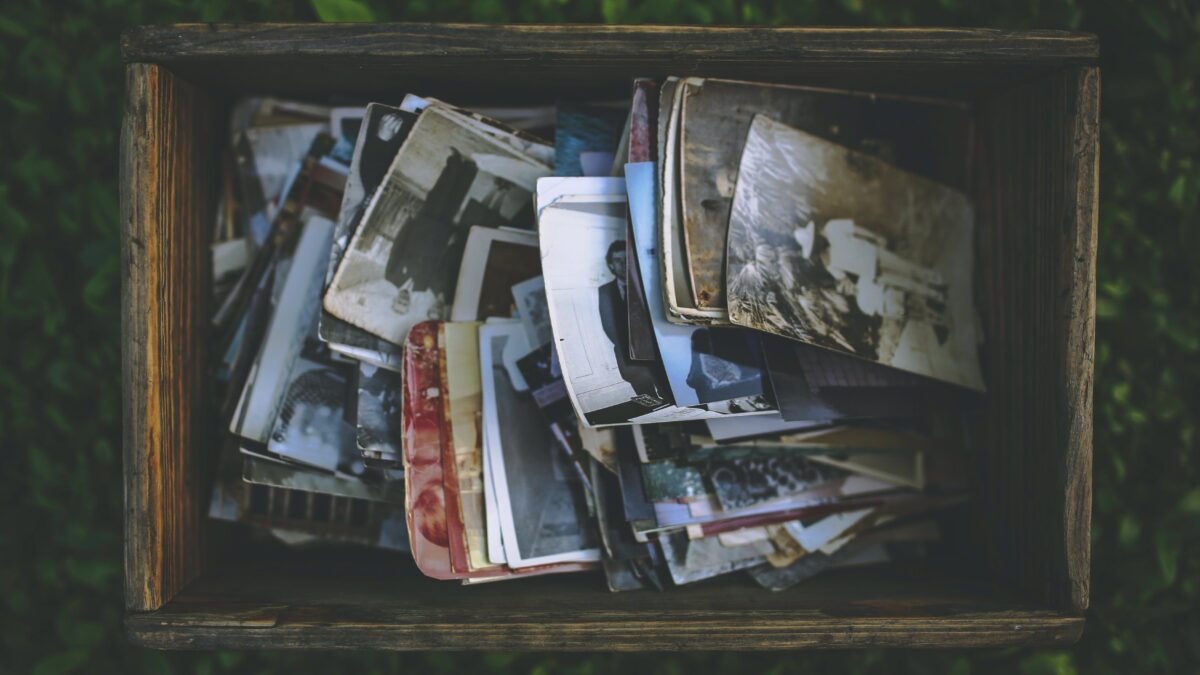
[(614, 317)]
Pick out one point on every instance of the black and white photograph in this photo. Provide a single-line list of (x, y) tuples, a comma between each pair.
[(263, 470), (402, 264), (529, 297), (493, 261), (583, 265), (380, 134), (743, 483), (378, 430), (379, 138), (311, 427), (839, 249), (290, 324), (542, 509), (691, 560)]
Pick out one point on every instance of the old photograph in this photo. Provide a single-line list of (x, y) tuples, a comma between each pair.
[(838, 249), (529, 297), (297, 297), (583, 257), (849, 387), (424, 429), (311, 427), (543, 514), (493, 261), (380, 134), (739, 484), (378, 430), (703, 365), (402, 264), (927, 136), (462, 458)]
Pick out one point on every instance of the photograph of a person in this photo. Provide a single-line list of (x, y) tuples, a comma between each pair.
[(401, 266), (839, 249), (614, 317), (380, 134), (583, 266)]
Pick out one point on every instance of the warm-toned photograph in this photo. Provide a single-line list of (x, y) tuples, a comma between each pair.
[(844, 251)]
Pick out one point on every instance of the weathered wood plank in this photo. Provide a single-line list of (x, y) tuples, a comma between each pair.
[(1037, 208), (300, 628), (520, 64), (362, 43), (355, 604), (1077, 306), (165, 202)]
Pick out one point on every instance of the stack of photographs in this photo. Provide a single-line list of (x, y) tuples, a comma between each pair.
[(719, 327)]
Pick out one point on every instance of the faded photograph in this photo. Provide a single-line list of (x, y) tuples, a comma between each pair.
[(378, 427), (402, 264), (529, 297), (543, 509), (311, 427), (838, 249)]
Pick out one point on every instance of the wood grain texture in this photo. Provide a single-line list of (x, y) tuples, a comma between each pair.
[(394, 42), (166, 201), (474, 63), (344, 605), (1037, 212), (1077, 345)]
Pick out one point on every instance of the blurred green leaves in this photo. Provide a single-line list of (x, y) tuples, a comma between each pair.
[(342, 10), (61, 93)]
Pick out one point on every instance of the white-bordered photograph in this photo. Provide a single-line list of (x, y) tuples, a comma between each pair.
[(583, 266), (540, 501), (836, 248), (402, 264), (494, 260)]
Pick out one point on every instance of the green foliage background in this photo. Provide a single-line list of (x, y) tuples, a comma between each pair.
[(61, 92)]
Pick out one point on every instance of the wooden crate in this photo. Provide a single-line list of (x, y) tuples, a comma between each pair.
[(1022, 576)]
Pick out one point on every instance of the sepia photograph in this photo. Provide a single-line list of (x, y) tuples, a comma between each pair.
[(677, 287), (927, 136), (401, 266), (835, 248), (462, 457)]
